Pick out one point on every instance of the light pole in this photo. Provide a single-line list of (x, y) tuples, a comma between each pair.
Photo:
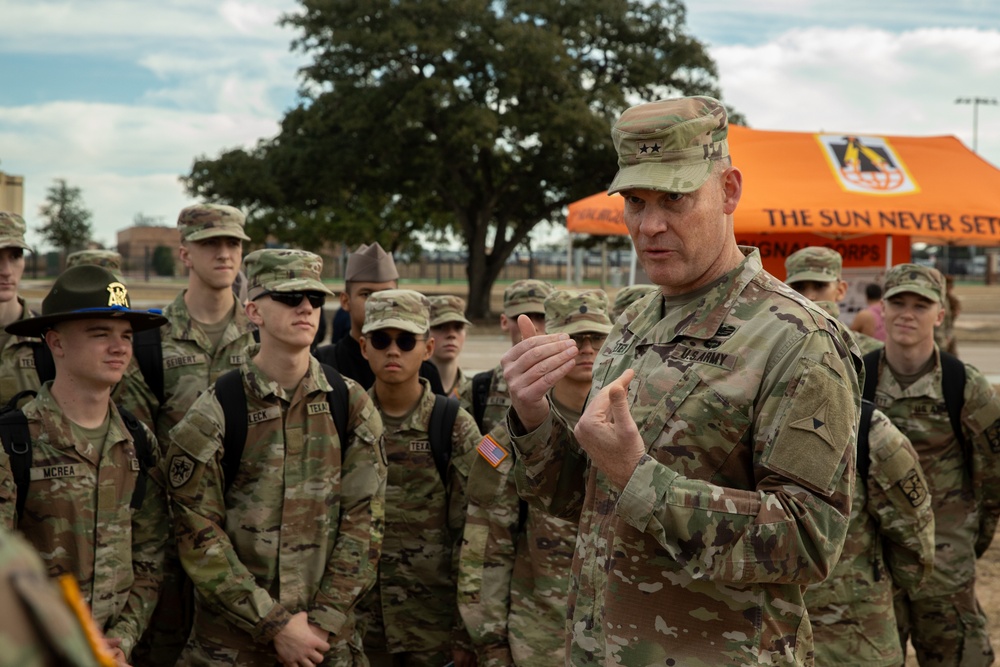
[(975, 102)]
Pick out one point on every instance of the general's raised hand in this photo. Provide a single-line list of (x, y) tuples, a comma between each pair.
[(609, 435)]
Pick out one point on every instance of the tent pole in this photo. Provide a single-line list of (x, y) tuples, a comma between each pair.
[(888, 252), (569, 258)]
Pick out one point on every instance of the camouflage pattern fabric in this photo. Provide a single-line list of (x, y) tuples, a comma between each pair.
[(133, 394), (204, 221), (17, 362), (514, 576), (497, 403), (626, 296), (38, 628), (816, 263), (297, 531), (109, 259), (77, 516), (463, 391), (957, 499), (12, 229), (747, 397), (865, 342), (890, 543), (283, 270), (525, 297), (412, 607)]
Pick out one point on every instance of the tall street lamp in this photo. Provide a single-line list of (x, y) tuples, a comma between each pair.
[(975, 102)]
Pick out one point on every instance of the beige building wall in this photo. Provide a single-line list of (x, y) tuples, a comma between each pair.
[(11, 193)]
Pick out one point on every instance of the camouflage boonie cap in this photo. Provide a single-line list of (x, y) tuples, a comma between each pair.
[(205, 221), (626, 296), (816, 263), (283, 270), (397, 309), (669, 145), (923, 280), (526, 296), (12, 230), (109, 259), (447, 308), (577, 311)]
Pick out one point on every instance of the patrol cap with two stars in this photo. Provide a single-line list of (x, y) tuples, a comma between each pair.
[(447, 308), (626, 296), (86, 292), (526, 297), (205, 221), (923, 280), (669, 145), (401, 309), (577, 311), (283, 270), (815, 263), (12, 230), (370, 264)]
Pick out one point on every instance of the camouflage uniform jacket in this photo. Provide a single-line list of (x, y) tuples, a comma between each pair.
[(514, 570), (890, 542), (413, 603), (39, 629), (189, 366), (17, 363), (957, 497), (497, 402), (747, 399), (299, 529), (463, 391), (78, 516), (133, 394)]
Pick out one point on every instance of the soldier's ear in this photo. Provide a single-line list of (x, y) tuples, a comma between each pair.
[(55, 342), (429, 346), (253, 313)]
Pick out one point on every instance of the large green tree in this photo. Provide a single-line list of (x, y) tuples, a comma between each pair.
[(488, 116), (67, 225)]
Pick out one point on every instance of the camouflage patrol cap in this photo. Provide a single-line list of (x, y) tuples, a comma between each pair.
[(109, 259), (577, 311), (205, 221), (397, 309), (526, 296), (371, 264), (669, 145), (629, 295), (12, 230), (923, 280), (447, 308), (816, 263), (283, 270)]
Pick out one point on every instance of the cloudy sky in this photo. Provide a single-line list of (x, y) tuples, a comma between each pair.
[(118, 97)]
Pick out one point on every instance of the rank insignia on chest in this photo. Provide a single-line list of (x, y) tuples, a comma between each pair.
[(491, 450), (181, 469)]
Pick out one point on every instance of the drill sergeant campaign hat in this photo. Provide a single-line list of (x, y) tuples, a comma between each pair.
[(815, 263), (205, 221), (447, 308), (669, 145), (12, 230), (109, 259), (923, 280), (370, 264), (86, 292), (626, 296), (526, 297), (397, 309), (577, 311), (283, 270)]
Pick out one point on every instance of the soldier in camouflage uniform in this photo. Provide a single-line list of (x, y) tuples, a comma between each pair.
[(207, 334), (719, 433), (942, 620), (281, 553), (626, 296), (516, 560), (17, 360), (85, 470), (449, 327), (815, 273), (890, 539), (411, 616)]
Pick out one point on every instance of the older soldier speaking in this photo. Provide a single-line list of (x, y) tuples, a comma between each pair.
[(717, 460)]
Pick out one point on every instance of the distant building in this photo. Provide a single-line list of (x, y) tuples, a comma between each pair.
[(11, 193), (136, 245)]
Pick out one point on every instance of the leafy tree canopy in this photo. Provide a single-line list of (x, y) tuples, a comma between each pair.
[(67, 225), (488, 116)]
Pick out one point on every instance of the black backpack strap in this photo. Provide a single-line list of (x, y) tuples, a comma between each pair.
[(863, 449), (339, 406), (44, 365), (441, 427), (953, 387), (17, 443), (481, 383), (232, 398), (148, 351), (871, 374), (143, 452)]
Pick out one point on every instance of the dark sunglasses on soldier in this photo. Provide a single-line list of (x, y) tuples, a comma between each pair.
[(405, 341), (293, 299)]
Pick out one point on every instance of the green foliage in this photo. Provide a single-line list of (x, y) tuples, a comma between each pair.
[(163, 261), (68, 221), (485, 116)]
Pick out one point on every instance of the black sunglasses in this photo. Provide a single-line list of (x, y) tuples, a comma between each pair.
[(405, 341), (596, 339), (293, 299)]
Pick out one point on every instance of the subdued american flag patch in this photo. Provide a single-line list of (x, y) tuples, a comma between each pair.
[(490, 450)]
